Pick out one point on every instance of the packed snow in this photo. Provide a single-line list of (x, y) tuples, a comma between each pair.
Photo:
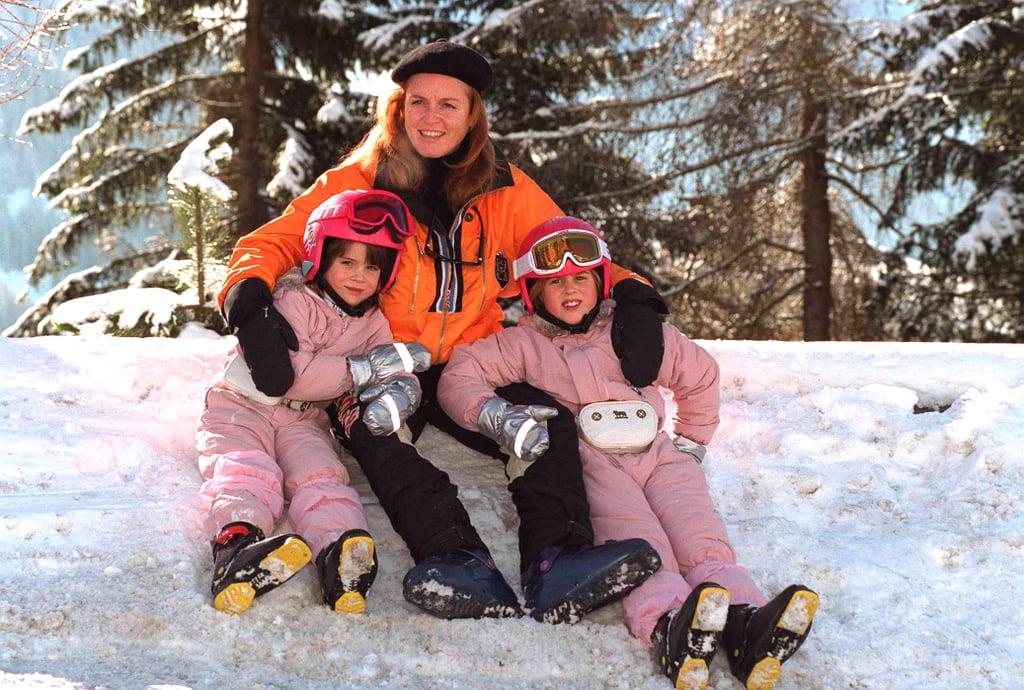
[(888, 477)]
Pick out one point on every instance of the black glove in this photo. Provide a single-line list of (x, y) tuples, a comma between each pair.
[(636, 330), (263, 334)]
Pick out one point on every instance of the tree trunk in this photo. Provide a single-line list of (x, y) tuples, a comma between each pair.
[(202, 233), (816, 222), (251, 209)]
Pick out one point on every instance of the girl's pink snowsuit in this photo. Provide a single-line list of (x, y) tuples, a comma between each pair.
[(255, 455), (659, 494)]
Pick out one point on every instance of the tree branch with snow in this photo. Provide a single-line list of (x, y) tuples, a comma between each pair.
[(199, 201)]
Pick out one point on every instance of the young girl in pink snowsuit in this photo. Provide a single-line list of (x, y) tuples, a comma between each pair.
[(641, 451), (256, 452)]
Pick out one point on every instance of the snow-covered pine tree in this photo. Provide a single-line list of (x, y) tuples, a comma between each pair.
[(199, 201), (153, 76), (951, 123), (160, 71), (558, 65), (742, 99)]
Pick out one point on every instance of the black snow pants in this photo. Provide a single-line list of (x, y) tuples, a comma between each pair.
[(423, 505)]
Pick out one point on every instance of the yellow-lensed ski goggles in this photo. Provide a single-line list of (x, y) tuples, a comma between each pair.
[(548, 255)]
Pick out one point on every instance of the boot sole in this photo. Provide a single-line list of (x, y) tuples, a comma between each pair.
[(793, 624), (704, 633), (442, 601), (356, 560), (235, 598), (615, 585), (350, 602), (693, 675), (711, 611), (276, 568)]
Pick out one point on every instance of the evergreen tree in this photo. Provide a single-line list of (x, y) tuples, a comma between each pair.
[(199, 201), (951, 119), (159, 72), (739, 102), (156, 74)]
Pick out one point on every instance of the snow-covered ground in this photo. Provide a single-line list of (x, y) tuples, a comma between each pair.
[(908, 525)]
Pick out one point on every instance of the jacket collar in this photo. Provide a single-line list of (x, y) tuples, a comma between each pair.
[(551, 330), (421, 208)]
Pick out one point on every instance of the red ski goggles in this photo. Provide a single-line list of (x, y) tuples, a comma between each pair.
[(374, 210), (548, 256)]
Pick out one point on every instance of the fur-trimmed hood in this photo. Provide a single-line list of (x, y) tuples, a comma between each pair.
[(292, 280)]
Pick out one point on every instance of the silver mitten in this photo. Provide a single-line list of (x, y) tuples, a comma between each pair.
[(518, 429), (387, 405), (693, 448), (384, 361)]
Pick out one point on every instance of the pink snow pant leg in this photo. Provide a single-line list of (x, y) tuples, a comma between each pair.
[(663, 497), (243, 486), (242, 481), (322, 504)]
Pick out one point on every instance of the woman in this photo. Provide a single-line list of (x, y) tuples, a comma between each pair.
[(431, 146)]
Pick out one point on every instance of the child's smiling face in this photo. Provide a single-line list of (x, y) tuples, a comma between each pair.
[(351, 276), (570, 298)]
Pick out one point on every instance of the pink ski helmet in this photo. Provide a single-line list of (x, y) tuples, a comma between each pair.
[(371, 216), (561, 246)]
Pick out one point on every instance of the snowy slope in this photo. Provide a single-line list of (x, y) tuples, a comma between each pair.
[(909, 525)]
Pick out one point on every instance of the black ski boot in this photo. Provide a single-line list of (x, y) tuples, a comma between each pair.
[(347, 568), (565, 583), (685, 639), (246, 565), (465, 584), (759, 640)]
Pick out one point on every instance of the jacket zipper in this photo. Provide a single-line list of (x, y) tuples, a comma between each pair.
[(416, 277), (447, 292), (447, 286)]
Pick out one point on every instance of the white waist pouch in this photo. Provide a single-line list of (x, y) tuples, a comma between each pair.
[(238, 379), (618, 426)]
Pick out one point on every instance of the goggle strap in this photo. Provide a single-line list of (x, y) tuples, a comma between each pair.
[(525, 264)]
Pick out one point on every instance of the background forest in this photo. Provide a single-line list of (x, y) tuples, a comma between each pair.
[(804, 169)]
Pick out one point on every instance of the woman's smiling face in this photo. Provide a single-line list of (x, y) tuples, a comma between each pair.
[(437, 113)]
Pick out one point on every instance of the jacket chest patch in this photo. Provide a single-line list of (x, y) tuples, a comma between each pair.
[(501, 269)]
